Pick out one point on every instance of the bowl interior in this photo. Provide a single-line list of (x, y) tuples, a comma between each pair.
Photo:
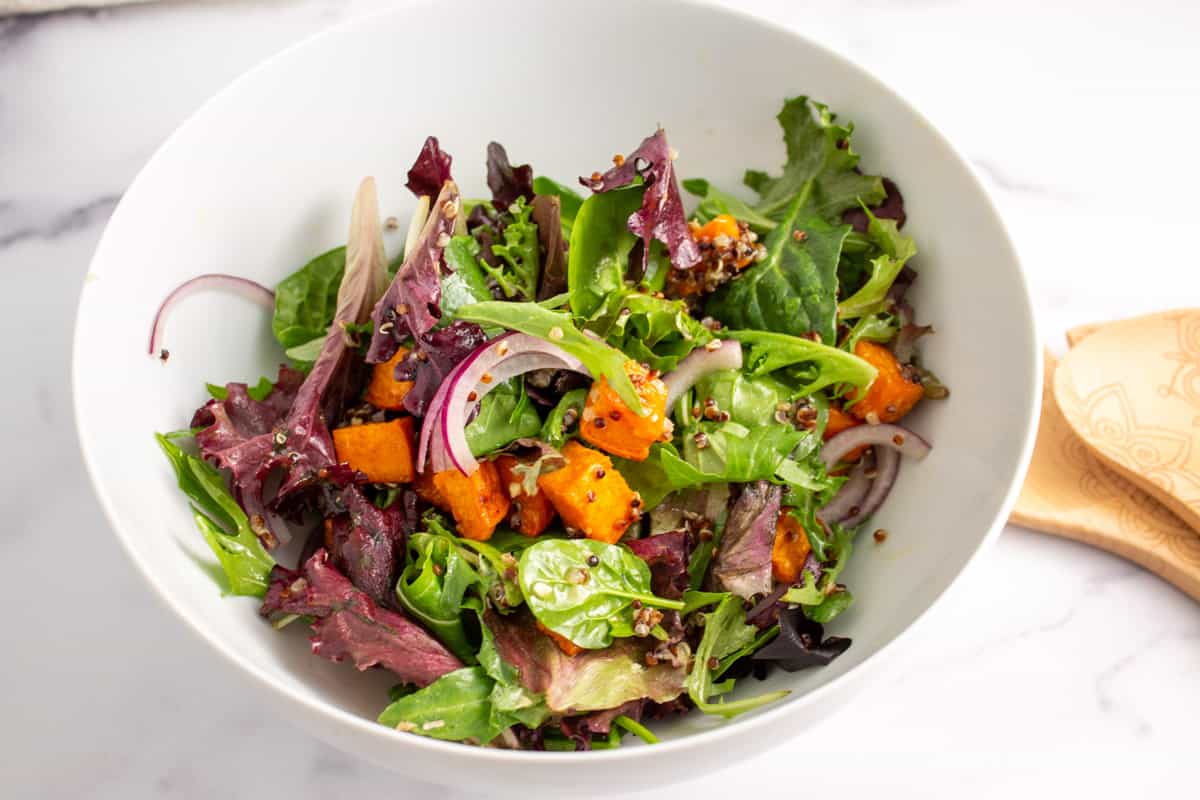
[(261, 179)]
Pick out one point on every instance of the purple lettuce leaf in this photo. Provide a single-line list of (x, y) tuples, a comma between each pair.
[(743, 561), (661, 216), (431, 169), (368, 542), (593, 680), (801, 643), (667, 556), (582, 728), (432, 358), (547, 215), (351, 625), (892, 207), (508, 183)]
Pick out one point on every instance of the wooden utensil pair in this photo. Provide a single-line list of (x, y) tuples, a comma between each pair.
[(1117, 458)]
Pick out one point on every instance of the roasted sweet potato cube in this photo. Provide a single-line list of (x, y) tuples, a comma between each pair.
[(383, 451), (613, 427), (896, 388), (590, 495), (478, 503), (840, 421), (531, 513), (384, 391), (790, 550), (428, 491)]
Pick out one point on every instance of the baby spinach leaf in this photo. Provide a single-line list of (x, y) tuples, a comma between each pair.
[(650, 330), (455, 707), (821, 168), (518, 260), (556, 430), (505, 415), (306, 300), (894, 250), (748, 399), (466, 282), (584, 589), (828, 366), (715, 202), (725, 633), (556, 327), (600, 246), (432, 588), (221, 521), (794, 289), (570, 201)]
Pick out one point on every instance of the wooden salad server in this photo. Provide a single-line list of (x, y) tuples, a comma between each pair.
[(1095, 474)]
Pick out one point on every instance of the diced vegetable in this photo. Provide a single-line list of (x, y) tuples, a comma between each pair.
[(839, 421), (589, 494), (720, 225), (384, 391), (566, 645), (478, 503), (383, 451), (531, 513), (896, 389), (427, 490), (610, 424), (790, 550)]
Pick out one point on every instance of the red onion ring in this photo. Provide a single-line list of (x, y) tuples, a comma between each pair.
[(243, 286), (849, 498), (726, 355), (894, 437), (887, 467)]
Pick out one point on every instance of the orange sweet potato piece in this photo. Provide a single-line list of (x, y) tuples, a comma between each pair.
[(383, 451), (428, 491), (613, 427), (839, 421), (384, 391), (720, 225), (895, 390), (478, 503), (531, 513), (590, 495), (564, 644), (790, 550)]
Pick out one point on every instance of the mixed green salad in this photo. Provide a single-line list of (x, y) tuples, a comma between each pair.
[(575, 460)]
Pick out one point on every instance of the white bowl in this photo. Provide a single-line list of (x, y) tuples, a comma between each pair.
[(261, 178)]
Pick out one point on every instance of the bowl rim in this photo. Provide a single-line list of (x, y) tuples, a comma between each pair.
[(766, 717)]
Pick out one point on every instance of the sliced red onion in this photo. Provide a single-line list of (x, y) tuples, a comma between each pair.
[(887, 467), (243, 286), (849, 498), (443, 434), (894, 437), (726, 354)]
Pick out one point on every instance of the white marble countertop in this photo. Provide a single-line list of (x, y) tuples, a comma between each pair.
[(1054, 669)]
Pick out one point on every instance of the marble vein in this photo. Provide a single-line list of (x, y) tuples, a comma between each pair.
[(78, 218)]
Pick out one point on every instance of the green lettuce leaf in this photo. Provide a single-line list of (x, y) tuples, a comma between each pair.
[(466, 282), (894, 250), (518, 258), (794, 289), (725, 633), (455, 707), (648, 329), (820, 171), (600, 246), (807, 365), (715, 202), (505, 414), (306, 300), (221, 521), (258, 391), (433, 586), (749, 399), (556, 430)]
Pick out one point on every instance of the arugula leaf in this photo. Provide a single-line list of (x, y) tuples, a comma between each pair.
[(725, 632), (821, 167), (873, 328), (432, 588), (600, 246), (466, 282), (821, 599), (794, 289), (258, 391), (555, 431), (587, 603), (716, 202), (648, 329), (221, 521), (894, 251), (569, 199), (764, 637), (636, 728), (505, 415), (455, 707), (518, 259), (694, 600), (306, 300), (556, 327), (826, 366)]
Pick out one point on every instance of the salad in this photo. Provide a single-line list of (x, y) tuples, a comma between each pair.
[(574, 461)]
